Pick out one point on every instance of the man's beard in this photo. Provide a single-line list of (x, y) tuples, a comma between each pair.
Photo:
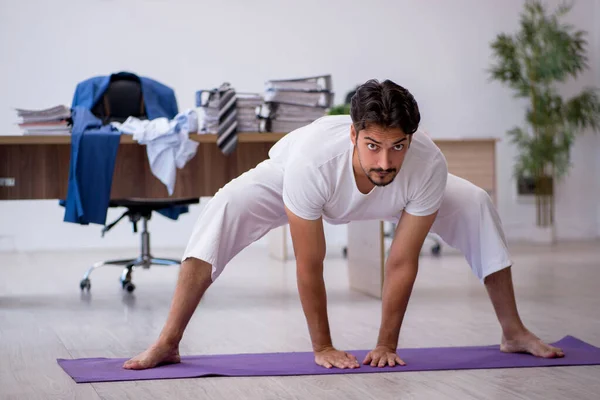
[(391, 171)]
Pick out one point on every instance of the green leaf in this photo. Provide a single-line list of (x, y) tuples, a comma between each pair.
[(583, 110), (342, 109)]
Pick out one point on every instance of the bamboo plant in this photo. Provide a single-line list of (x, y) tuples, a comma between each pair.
[(542, 54)]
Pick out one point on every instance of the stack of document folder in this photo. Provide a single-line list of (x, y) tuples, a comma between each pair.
[(247, 104), (49, 121), (292, 103)]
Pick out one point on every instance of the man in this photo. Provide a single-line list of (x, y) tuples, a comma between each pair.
[(374, 165)]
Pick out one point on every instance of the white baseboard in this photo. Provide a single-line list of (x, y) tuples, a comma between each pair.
[(7, 243), (573, 229)]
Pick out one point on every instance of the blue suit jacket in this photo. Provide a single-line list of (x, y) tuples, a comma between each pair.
[(94, 149), (93, 153)]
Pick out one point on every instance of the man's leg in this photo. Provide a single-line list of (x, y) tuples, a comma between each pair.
[(194, 279), (468, 221), (515, 337), (239, 214)]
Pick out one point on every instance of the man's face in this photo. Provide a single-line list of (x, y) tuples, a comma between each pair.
[(380, 152)]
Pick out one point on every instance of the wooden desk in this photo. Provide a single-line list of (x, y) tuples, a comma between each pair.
[(39, 166)]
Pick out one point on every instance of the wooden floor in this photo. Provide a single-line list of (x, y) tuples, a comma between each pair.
[(254, 307)]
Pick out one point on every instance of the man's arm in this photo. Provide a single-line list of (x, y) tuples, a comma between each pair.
[(400, 275), (309, 247), (308, 240)]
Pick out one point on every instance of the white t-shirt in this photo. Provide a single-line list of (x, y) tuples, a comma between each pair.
[(319, 180)]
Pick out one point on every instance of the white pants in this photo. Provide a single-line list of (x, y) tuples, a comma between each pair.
[(249, 206)]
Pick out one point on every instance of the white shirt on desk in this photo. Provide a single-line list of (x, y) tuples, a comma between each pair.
[(167, 142)]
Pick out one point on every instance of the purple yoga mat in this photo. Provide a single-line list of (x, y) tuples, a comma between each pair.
[(84, 370)]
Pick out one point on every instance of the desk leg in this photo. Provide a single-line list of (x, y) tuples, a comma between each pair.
[(366, 257), (277, 240)]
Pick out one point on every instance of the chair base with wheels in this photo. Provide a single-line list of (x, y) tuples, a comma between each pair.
[(136, 210), (436, 248)]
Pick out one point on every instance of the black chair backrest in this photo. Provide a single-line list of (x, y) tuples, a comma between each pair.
[(123, 99)]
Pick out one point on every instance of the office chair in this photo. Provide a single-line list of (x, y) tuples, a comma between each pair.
[(122, 99)]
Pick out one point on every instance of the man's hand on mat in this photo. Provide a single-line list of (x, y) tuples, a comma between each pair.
[(157, 354), (383, 356), (331, 357)]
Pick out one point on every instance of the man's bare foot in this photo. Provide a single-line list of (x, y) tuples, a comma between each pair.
[(527, 342), (156, 354)]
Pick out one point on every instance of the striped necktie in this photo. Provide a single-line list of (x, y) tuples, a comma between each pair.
[(227, 132)]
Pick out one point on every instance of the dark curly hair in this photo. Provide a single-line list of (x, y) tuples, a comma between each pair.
[(385, 104)]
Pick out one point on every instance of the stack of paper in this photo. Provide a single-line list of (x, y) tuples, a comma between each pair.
[(293, 103), (247, 104), (50, 121), (207, 102)]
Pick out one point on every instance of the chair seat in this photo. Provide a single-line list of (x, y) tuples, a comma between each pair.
[(152, 204)]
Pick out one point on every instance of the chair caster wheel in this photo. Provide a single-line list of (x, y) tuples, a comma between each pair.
[(436, 250), (85, 284), (127, 285)]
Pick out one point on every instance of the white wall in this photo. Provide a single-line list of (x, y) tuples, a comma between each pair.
[(438, 49)]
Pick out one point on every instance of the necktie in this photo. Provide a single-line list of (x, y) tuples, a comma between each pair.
[(227, 132)]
